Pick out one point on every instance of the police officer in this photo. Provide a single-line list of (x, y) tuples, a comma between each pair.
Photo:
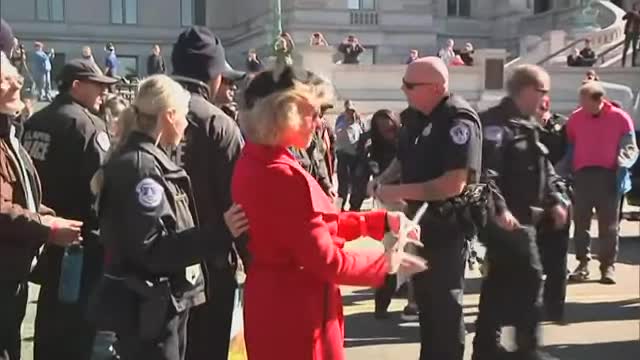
[(525, 178), (208, 153), (68, 143), (152, 271), (226, 96), (439, 155), (553, 243)]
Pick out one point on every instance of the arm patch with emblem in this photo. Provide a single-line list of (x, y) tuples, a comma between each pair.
[(150, 193)]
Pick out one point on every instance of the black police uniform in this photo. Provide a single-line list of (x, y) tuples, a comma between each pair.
[(68, 144), (152, 271), (448, 139), (553, 243), (208, 153), (525, 177)]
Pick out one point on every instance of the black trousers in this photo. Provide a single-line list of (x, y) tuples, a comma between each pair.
[(384, 294), (347, 164), (510, 293), (171, 345), (62, 331), (439, 293), (553, 245), (630, 40), (13, 305), (210, 323)]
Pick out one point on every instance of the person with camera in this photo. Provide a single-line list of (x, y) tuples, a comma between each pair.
[(530, 194), (317, 39), (25, 223), (351, 49)]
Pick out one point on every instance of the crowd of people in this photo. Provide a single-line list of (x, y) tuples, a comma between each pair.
[(134, 216)]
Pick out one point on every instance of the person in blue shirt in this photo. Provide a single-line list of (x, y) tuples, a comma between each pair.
[(111, 61), (41, 69)]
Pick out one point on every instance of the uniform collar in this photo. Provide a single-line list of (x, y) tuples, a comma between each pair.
[(147, 144), (193, 85), (511, 109)]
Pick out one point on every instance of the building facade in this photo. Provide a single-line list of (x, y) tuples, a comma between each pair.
[(388, 28)]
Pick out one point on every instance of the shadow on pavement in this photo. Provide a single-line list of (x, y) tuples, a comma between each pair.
[(603, 311), (624, 350), (363, 330), (628, 254)]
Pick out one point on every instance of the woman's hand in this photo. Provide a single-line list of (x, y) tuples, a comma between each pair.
[(236, 220), (399, 223), (507, 221), (401, 262)]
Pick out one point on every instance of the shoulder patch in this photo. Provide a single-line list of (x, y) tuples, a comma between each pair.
[(460, 134), (150, 193), (103, 141)]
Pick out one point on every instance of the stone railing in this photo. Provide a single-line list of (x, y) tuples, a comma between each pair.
[(363, 17), (378, 86), (555, 45)]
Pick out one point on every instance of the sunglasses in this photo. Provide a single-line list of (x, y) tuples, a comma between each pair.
[(411, 86)]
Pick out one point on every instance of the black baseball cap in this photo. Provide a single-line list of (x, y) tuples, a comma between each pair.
[(198, 54), (232, 74), (82, 69)]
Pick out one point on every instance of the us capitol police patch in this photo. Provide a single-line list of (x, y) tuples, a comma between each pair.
[(460, 134), (150, 193)]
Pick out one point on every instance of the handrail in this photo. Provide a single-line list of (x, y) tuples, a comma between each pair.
[(601, 56), (567, 47)]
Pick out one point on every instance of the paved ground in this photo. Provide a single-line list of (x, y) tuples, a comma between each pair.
[(604, 321)]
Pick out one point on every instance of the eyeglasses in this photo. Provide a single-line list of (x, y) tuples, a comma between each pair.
[(411, 86)]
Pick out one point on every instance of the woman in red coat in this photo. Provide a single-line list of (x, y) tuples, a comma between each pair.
[(293, 306)]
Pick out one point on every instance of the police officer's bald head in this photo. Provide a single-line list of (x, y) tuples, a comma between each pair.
[(426, 83)]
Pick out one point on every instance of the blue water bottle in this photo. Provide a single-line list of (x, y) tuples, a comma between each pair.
[(71, 274)]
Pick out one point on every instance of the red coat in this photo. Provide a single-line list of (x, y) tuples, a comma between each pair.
[(293, 306)]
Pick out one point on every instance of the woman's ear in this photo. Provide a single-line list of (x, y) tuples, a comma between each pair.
[(168, 117)]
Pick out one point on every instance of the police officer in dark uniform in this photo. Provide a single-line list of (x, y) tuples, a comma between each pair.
[(553, 243), (527, 182), (68, 143), (439, 155), (148, 225), (226, 95), (208, 153)]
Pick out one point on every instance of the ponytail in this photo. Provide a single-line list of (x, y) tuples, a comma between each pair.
[(155, 94)]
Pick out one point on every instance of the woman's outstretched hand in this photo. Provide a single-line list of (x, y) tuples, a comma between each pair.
[(408, 234), (236, 220)]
